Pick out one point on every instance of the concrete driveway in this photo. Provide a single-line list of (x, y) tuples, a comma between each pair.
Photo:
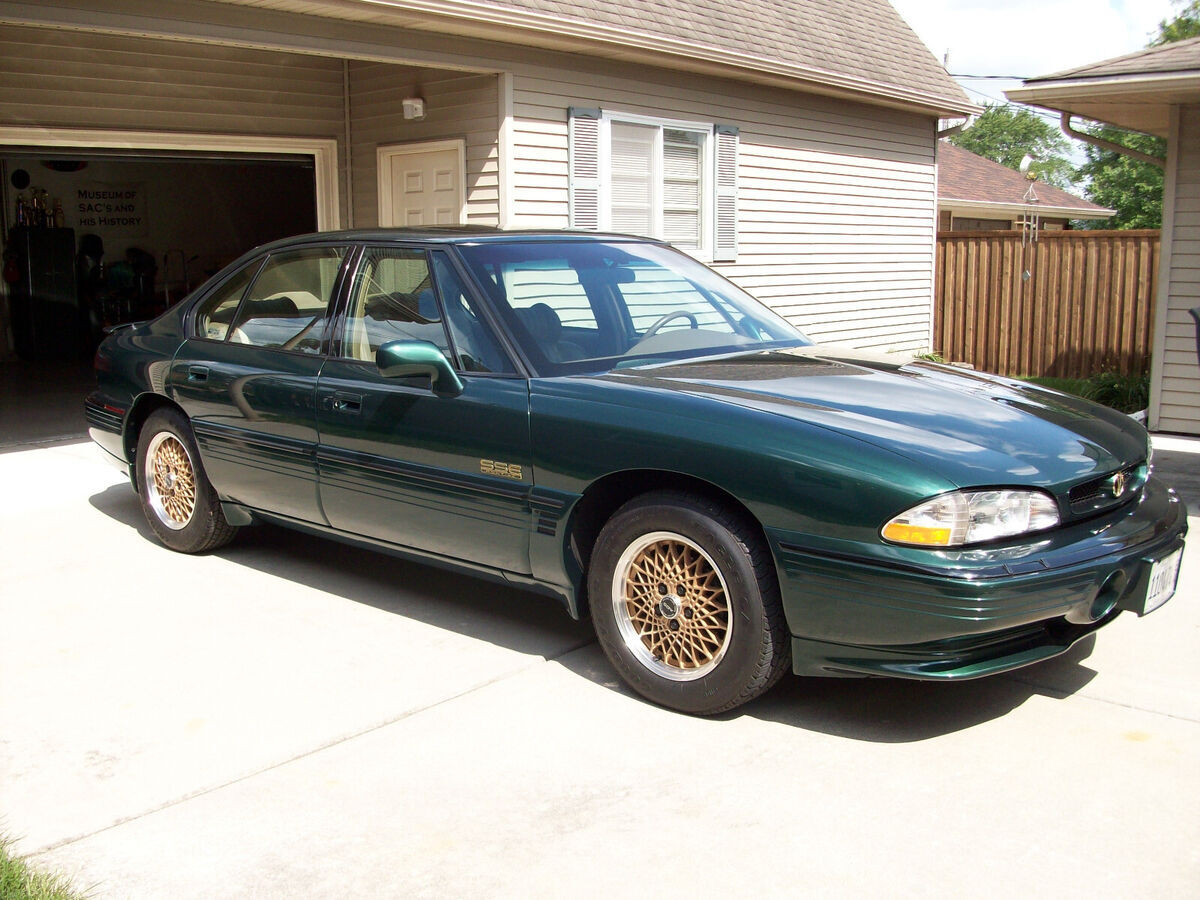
[(292, 718)]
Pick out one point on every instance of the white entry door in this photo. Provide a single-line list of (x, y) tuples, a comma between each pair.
[(422, 184)]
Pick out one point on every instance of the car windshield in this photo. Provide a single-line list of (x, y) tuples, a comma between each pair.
[(577, 306)]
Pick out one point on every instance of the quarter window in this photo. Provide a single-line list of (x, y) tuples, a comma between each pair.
[(215, 314)]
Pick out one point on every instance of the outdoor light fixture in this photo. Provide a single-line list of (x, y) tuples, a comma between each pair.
[(414, 108)]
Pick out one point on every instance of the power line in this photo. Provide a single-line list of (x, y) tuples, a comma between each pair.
[(995, 77)]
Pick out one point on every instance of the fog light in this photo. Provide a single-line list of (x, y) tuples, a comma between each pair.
[(1104, 602)]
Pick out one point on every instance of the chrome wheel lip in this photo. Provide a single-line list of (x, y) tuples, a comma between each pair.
[(628, 630), (160, 444)]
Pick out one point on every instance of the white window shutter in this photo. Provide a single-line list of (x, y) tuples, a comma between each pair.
[(583, 139), (725, 242)]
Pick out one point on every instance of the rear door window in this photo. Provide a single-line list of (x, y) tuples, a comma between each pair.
[(287, 306)]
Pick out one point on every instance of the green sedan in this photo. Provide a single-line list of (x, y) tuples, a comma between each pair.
[(607, 422)]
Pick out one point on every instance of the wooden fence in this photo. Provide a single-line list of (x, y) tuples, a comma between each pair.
[(1070, 304)]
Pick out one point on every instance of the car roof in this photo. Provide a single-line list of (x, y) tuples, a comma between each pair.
[(457, 234)]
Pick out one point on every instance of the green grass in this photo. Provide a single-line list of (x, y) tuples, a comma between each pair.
[(21, 881), (1127, 393)]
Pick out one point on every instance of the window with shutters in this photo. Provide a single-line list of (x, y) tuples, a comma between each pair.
[(676, 181)]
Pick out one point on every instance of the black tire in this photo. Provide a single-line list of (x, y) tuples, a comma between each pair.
[(713, 640), (177, 498)]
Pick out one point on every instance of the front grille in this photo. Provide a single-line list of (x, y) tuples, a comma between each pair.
[(1107, 491)]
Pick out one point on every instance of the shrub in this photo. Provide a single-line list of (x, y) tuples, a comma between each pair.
[(1126, 393)]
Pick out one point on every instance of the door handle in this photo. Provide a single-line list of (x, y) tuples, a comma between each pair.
[(347, 403), (197, 374)]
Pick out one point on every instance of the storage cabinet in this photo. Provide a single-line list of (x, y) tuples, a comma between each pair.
[(47, 318)]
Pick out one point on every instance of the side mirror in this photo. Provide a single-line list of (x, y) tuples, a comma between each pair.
[(403, 359)]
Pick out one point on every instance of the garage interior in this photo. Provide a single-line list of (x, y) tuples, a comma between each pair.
[(93, 239)]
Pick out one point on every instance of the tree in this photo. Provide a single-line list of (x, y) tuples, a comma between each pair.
[(1183, 26), (1006, 134), (1132, 187)]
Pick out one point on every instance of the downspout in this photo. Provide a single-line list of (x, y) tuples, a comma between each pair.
[(1108, 145), (349, 145), (952, 130)]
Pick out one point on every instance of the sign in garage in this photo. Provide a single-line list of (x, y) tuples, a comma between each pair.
[(116, 209)]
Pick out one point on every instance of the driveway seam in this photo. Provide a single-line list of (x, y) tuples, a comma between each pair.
[(1062, 694), (408, 714)]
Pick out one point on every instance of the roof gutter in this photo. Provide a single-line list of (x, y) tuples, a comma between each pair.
[(1078, 87), (1065, 124), (1015, 209)]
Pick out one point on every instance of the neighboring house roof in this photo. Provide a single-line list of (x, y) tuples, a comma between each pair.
[(862, 49), (1135, 91), (971, 183)]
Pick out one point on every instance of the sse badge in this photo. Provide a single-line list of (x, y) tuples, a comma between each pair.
[(504, 470)]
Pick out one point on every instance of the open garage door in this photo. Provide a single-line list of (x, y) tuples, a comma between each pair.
[(93, 236)]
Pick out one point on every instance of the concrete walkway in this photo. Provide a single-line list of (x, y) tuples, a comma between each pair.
[(291, 718)]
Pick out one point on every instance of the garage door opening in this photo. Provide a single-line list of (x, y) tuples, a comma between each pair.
[(94, 237), (100, 238)]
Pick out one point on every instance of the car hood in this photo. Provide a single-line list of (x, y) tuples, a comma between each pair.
[(973, 429)]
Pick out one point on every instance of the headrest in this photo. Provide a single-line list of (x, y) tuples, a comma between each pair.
[(542, 323), (279, 305)]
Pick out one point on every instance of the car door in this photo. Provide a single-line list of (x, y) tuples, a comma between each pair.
[(247, 378), (448, 475)]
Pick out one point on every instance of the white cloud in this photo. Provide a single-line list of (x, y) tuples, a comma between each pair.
[(1027, 38)]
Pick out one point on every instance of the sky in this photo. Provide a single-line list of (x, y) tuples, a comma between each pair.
[(1028, 38)]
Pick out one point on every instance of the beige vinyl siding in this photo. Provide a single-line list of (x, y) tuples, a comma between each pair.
[(836, 202), (457, 105), (78, 80), (69, 79), (1179, 393)]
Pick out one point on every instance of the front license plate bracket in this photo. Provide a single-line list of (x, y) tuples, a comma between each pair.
[(1160, 582)]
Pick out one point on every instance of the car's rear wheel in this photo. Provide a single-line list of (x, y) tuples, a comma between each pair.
[(685, 603), (177, 498)]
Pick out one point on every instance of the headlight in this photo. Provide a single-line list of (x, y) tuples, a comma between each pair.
[(969, 517)]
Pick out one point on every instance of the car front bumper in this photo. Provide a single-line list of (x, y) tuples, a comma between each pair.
[(947, 615)]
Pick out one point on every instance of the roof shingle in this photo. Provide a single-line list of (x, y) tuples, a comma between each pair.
[(1181, 56), (866, 39), (963, 175)]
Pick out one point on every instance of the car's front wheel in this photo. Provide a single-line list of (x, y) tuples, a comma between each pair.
[(685, 602), (177, 498)]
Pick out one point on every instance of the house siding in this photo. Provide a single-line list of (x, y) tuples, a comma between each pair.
[(458, 105), (836, 202), (70, 79), (836, 206), (1178, 396)]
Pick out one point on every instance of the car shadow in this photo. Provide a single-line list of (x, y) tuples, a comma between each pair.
[(500, 614), (878, 710), (891, 710)]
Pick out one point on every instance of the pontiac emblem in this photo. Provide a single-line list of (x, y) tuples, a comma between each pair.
[(1118, 484)]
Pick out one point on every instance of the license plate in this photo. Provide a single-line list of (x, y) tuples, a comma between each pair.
[(1163, 576)]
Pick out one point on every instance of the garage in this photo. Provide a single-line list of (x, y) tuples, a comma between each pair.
[(131, 168)]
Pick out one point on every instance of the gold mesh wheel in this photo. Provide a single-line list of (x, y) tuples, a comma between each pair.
[(671, 606), (170, 481)]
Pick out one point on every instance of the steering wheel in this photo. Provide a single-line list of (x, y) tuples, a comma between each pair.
[(669, 317)]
